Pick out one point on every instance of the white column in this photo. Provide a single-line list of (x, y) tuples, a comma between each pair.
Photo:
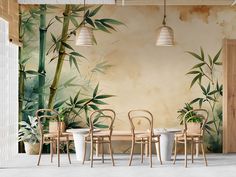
[(8, 95)]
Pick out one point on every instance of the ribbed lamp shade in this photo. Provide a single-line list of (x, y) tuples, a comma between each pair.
[(84, 36), (165, 36)]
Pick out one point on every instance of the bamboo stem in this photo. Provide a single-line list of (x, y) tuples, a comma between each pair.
[(42, 55), (61, 57)]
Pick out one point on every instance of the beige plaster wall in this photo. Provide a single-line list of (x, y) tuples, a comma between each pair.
[(151, 77), (144, 75)]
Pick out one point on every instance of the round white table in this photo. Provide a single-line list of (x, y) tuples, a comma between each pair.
[(78, 136), (166, 141)]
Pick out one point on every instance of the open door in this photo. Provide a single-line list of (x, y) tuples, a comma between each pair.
[(229, 96)]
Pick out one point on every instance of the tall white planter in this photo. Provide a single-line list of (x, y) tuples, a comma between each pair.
[(78, 136), (166, 141)]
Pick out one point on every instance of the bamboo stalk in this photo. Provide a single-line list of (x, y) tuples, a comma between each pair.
[(21, 83), (42, 55), (61, 57)]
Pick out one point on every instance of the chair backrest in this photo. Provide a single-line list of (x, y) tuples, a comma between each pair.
[(140, 120), (102, 119), (201, 114), (47, 114)]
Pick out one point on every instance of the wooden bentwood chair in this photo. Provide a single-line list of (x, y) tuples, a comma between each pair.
[(137, 119), (194, 136), (51, 137), (104, 117)]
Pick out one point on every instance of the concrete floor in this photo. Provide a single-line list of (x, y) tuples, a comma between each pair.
[(25, 166)]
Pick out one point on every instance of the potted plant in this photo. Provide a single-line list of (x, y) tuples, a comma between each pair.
[(193, 120), (30, 135), (53, 124)]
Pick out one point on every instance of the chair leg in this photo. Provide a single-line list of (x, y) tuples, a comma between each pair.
[(51, 151), (141, 150), (192, 150), (102, 148), (146, 148), (150, 151), (175, 151), (159, 151), (111, 153), (68, 150), (203, 153), (185, 151), (58, 152), (85, 146), (40, 152), (91, 153), (131, 152)]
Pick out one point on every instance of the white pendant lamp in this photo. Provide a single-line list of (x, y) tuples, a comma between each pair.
[(84, 35), (165, 33)]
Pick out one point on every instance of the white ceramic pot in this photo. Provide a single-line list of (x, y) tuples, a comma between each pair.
[(32, 149)]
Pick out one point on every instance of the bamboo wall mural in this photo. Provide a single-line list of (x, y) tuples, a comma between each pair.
[(34, 84)]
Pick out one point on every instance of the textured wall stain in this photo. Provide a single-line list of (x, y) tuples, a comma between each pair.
[(187, 13)]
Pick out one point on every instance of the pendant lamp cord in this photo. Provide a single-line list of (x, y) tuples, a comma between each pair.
[(164, 19)]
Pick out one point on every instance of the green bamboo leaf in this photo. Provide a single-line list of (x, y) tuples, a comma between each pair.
[(218, 63), (213, 92), (212, 99), (76, 54), (98, 102), (111, 21), (71, 101), (95, 91), (217, 56), (82, 101), (103, 96), (101, 27), (54, 39), (24, 60), (67, 45), (74, 21), (208, 88), (194, 101), (194, 72), (94, 12), (76, 97), (108, 26), (195, 55), (69, 81), (198, 65), (101, 126), (202, 54), (210, 122), (93, 106), (203, 90), (194, 80), (90, 21), (58, 19), (210, 60), (59, 104), (70, 61), (75, 63), (200, 102)]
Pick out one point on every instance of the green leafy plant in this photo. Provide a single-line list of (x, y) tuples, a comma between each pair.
[(78, 107), (204, 76), (29, 131), (61, 48)]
